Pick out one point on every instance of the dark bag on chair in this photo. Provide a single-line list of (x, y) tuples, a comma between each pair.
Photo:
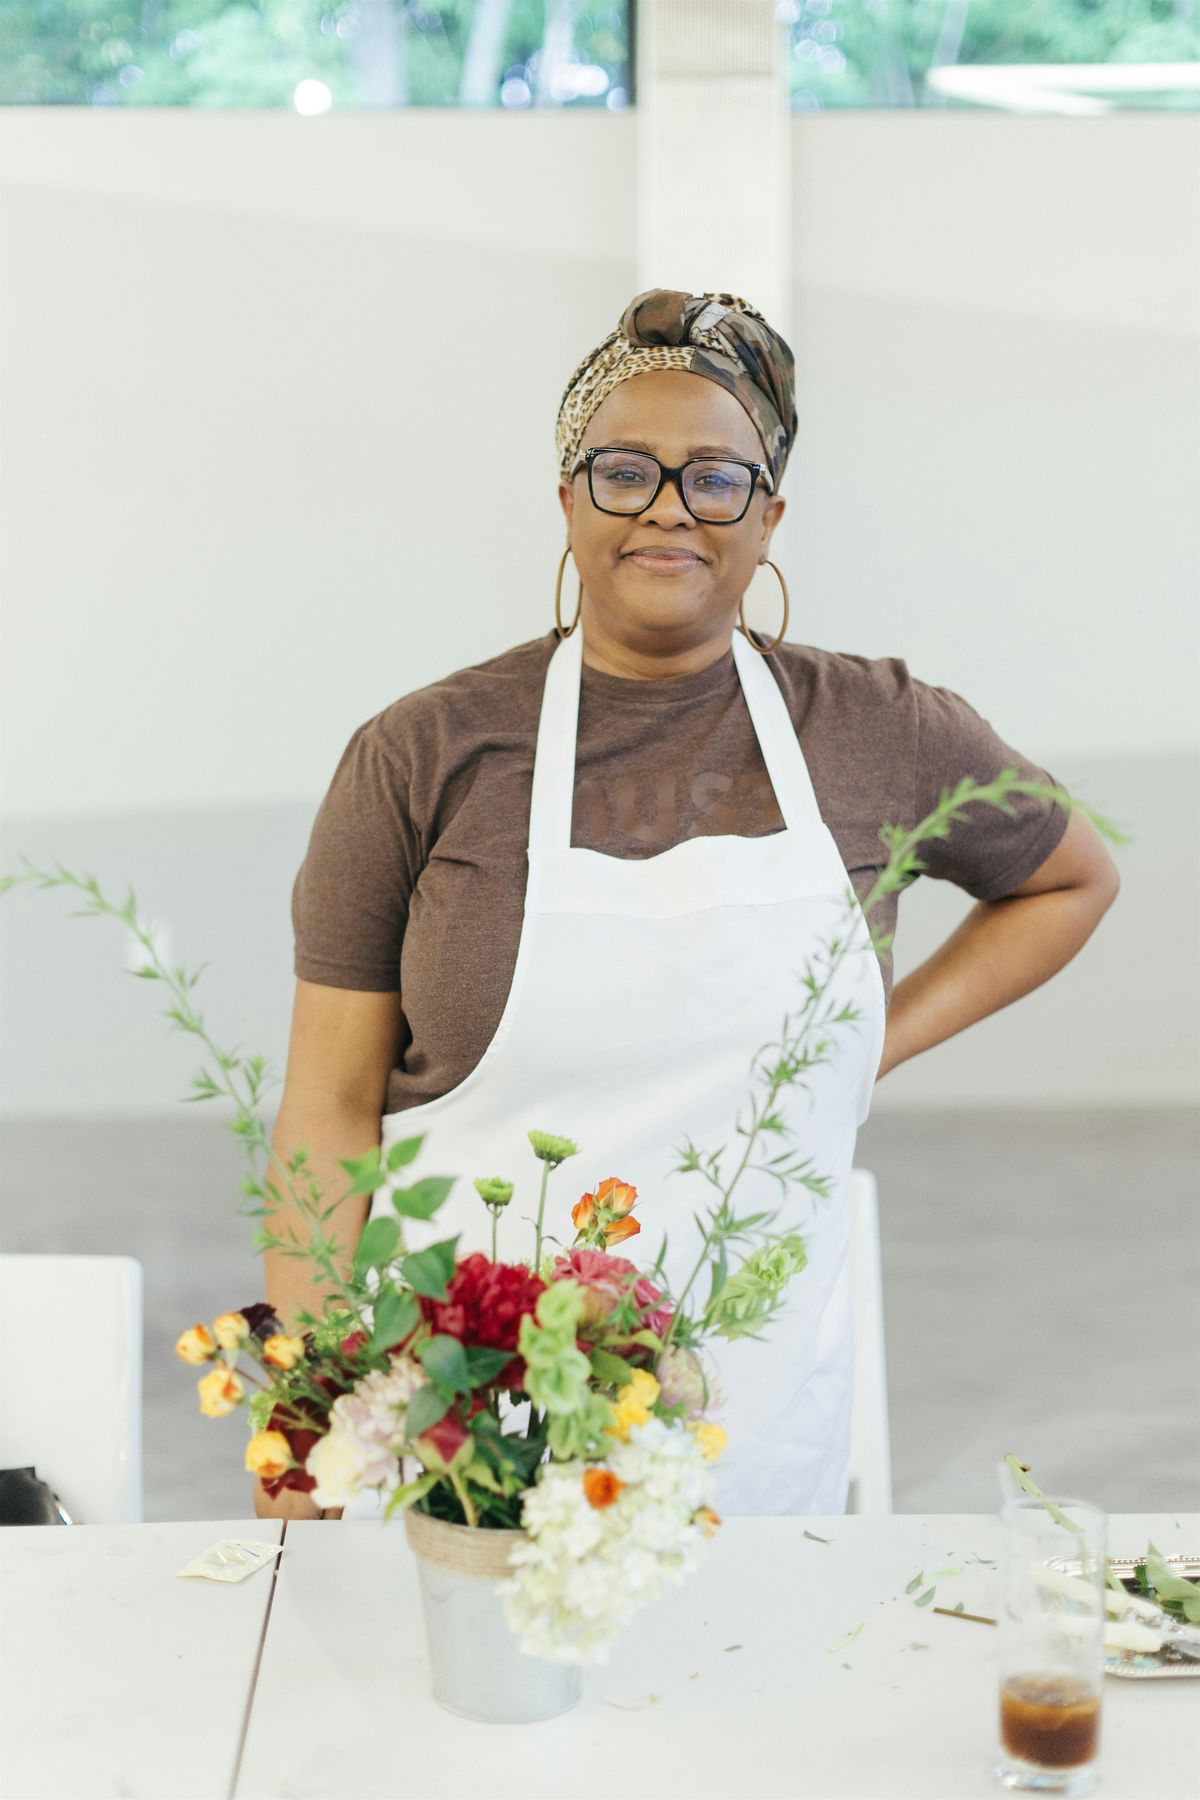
[(27, 1500)]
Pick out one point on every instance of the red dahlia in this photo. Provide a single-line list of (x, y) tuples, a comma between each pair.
[(484, 1305)]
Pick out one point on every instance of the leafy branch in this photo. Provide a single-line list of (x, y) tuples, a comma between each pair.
[(241, 1079), (807, 1041)]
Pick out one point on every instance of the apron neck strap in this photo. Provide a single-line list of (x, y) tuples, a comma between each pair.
[(553, 795)]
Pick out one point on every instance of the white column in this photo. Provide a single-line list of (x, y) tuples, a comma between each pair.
[(714, 151), (714, 183)]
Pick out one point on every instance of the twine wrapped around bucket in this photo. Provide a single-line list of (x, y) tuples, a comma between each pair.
[(460, 1549)]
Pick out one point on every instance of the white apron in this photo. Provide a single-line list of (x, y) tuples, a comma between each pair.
[(642, 990)]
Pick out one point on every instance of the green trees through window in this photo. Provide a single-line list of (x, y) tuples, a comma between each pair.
[(1068, 56), (314, 55)]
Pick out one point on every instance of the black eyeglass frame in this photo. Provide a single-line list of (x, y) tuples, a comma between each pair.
[(667, 474)]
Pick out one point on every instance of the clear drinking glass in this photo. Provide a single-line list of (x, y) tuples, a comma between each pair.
[(1051, 1645)]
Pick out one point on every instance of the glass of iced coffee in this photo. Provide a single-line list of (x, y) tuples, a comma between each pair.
[(1051, 1645)]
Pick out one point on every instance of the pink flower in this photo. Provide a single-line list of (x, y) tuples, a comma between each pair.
[(604, 1280), (656, 1317)]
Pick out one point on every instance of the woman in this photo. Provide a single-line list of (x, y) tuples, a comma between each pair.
[(594, 867)]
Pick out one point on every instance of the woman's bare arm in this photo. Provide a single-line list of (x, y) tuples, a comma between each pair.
[(342, 1049), (1005, 948)]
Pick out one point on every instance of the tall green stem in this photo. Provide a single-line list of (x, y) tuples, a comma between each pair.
[(541, 1213)]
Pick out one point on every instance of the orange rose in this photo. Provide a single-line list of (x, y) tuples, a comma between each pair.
[(269, 1455), (601, 1487), (604, 1214), (197, 1345), (231, 1330), (220, 1391), (283, 1352), (620, 1229), (707, 1520)]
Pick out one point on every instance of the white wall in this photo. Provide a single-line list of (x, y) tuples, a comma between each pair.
[(246, 355)]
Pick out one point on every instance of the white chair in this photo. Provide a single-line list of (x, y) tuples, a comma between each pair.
[(870, 1440), (71, 1380)]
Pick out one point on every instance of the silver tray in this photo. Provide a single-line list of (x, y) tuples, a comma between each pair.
[(1142, 1665)]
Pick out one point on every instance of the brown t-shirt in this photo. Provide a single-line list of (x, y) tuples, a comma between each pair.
[(414, 878)]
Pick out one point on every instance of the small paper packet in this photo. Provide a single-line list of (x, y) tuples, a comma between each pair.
[(230, 1559)]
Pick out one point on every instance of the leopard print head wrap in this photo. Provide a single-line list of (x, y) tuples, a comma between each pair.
[(717, 335)]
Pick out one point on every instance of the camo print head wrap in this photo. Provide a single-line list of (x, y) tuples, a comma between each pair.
[(717, 335)]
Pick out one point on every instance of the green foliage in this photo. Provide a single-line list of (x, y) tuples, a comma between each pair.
[(365, 1171), (428, 1272), (1174, 1593), (397, 1315), (378, 1244), (221, 53), (856, 53), (402, 1497), (445, 1363), (744, 1304), (427, 1408), (483, 1365), (581, 1431), (423, 1198), (403, 1152), (611, 1368)]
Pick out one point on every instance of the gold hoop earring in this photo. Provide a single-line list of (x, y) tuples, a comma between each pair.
[(564, 633), (766, 649)]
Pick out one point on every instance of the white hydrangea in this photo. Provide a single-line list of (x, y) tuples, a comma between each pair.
[(366, 1431), (583, 1570)]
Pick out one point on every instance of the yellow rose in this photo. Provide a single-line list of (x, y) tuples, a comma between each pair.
[(220, 1390), (283, 1352), (268, 1454), (196, 1345), (633, 1404), (712, 1440), (643, 1389), (231, 1330)]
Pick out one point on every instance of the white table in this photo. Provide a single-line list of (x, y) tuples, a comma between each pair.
[(115, 1677), (137, 1684)]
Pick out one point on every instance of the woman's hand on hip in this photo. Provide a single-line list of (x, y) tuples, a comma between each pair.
[(1005, 948)]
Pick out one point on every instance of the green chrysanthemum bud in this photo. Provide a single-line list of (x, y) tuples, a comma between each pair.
[(494, 1192), (552, 1149)]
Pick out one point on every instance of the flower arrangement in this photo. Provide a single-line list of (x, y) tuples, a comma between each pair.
[(565, 1396), (609, 1476)]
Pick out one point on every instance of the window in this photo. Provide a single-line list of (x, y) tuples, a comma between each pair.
[(315, 55), (1080, 57)]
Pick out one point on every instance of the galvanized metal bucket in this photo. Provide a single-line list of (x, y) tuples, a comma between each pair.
[(479, 1670)]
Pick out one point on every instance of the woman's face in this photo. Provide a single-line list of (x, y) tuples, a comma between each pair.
[(676, 603)]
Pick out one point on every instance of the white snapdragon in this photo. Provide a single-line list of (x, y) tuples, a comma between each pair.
[(582, 1570)]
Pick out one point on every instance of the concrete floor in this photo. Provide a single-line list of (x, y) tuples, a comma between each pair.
[(1040, 1274)]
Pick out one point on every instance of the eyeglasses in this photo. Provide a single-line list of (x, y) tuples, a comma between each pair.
[(715, 490)]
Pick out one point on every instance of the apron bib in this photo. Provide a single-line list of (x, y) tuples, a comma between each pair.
[(641, 992)]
